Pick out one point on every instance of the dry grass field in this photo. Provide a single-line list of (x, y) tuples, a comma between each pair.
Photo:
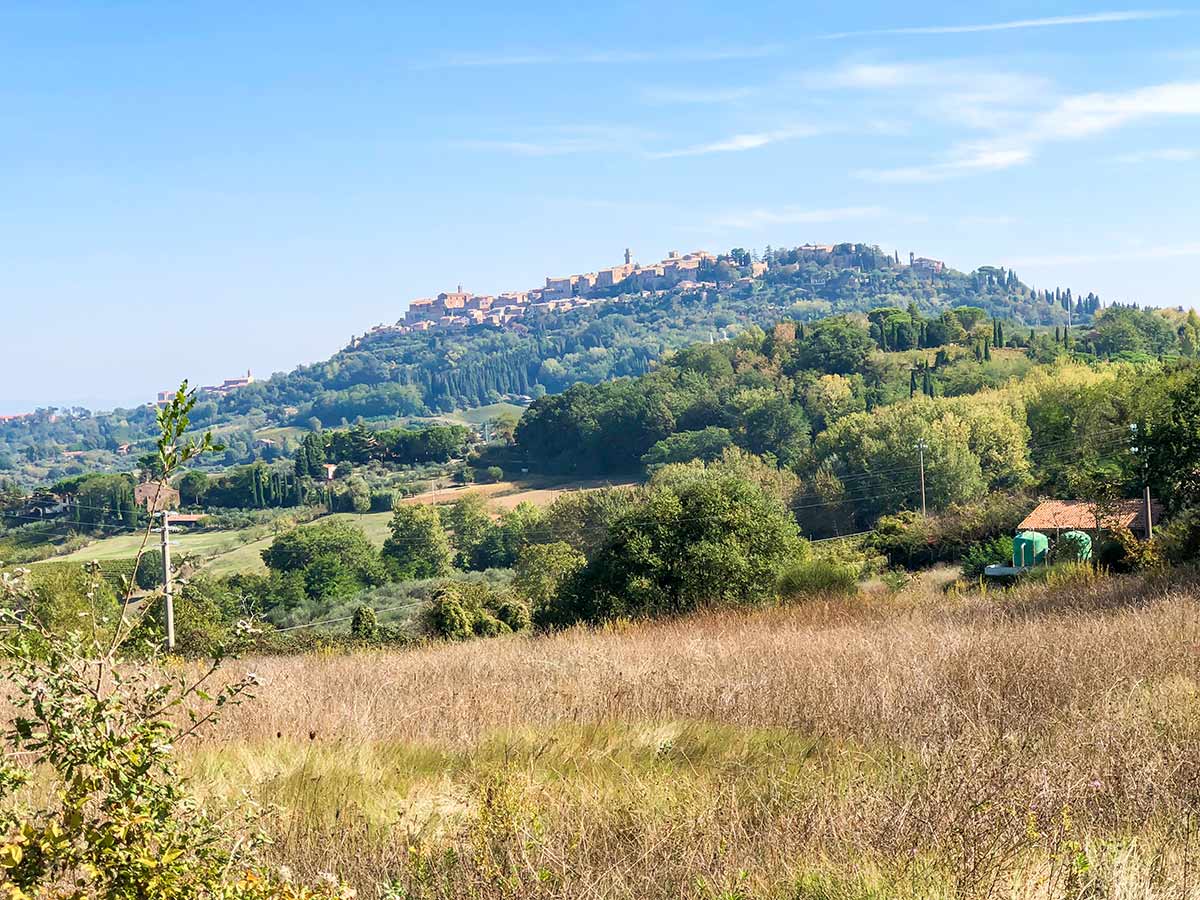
[(1044, 743)]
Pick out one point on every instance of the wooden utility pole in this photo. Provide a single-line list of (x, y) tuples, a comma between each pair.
[(168, 591), (921, 447), (1138, 448)]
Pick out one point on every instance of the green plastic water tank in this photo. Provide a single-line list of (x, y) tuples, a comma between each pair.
[(1029, 549), (1075, 545)]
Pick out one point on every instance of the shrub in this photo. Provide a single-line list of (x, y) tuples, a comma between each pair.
[(814, 577), (382, 501), (1062, 575), (512, 612), (204, 618), (1180, 541), (463, 609), (149, 573), (495, 473), (61, 598), (1071, 547), (701, 537), (912, 540), (983, 554), (116, 820), (365, 624)]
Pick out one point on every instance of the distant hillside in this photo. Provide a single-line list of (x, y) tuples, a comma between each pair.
[(623, 330), (389, 373)]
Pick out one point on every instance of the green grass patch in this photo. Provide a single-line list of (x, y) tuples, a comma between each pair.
[(482, 414)]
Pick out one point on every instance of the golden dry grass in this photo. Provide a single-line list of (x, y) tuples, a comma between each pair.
[(506, 495), (1045, 744)]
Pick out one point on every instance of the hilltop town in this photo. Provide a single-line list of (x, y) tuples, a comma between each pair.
[(461, 309), (215, 390), (699, 269)]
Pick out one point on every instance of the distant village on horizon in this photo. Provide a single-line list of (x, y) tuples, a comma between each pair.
[(461, 309)]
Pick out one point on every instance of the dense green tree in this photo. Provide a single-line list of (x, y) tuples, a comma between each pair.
[(769, 423), (1171, 441), (333, 557), (542, 570), (1123, 330), (835, 346), (418, 546), (503, 540), (707, 444), (469, 522), (700, 537), (192, 487)]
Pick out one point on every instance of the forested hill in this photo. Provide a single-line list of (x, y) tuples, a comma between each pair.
[(390, 374), (386, 373)]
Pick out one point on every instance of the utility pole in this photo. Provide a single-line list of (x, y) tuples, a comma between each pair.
[(1149, 509), (168, 593), (921, 448), (1149, 515)]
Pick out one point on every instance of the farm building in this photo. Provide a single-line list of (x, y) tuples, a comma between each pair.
[(1081, 515), (154, 498)]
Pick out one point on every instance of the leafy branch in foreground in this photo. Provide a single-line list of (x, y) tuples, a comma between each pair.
[(173, 451), (91, 804)]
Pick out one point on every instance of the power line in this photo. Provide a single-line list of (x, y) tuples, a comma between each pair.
[(853, 501), (913, 467), (378, 610), (60, 523), (850, 502)]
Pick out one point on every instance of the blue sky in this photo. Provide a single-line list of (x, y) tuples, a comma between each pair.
[(194, 189)]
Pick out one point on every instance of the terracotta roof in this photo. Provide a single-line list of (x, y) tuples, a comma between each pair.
[(1061, 515), (187, 518)]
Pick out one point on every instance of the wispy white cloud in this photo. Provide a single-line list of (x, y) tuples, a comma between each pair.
[(1085, 115), (961, 91), (1164, 154), (1070, 118), (740, 142), (1132, 15), (968, 162), (791, 215), (601, 58)]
